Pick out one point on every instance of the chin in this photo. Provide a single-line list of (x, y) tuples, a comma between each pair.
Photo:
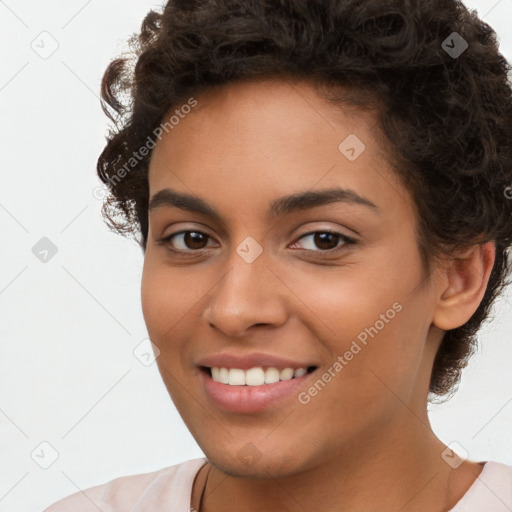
[(248, 462)]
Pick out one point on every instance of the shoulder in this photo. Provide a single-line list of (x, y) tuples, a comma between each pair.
[(492, 490), (135, 492)]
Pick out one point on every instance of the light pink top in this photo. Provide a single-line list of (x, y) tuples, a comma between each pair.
[(170, 489)]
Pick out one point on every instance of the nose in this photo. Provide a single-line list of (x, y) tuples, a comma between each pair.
[(249, 295)]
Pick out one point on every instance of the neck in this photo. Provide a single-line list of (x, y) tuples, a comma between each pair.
[(396, 469)]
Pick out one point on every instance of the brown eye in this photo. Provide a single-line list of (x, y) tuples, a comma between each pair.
[(194, 239), (186, 240), (326, 241)]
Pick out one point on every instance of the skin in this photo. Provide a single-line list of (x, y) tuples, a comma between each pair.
[(364, 442)]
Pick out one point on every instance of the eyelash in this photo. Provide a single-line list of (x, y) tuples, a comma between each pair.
[(348, 241)]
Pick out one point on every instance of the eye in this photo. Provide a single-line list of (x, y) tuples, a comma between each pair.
[(327, 241), (187, 240), (193, 241)]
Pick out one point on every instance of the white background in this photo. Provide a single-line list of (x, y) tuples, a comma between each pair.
[(68, 375)]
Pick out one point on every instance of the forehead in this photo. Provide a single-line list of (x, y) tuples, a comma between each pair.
[(254, 110), (269, 138)]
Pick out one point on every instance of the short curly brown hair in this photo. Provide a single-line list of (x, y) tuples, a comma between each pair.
[(447, 116)]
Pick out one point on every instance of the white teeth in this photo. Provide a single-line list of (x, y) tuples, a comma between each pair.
[(256, 376), (271, 375), (286, 374), (299, 372), (223, 375), (236, 377)]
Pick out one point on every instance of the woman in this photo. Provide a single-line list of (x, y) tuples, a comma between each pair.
[(320, 192)]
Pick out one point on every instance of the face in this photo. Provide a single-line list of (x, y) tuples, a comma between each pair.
[(335, 285)]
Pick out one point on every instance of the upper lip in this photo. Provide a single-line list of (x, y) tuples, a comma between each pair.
[(247, 361)]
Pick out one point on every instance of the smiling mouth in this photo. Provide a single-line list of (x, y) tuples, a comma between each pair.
[(256, 376)]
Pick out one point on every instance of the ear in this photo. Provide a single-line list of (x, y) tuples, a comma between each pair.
[(462, 285)]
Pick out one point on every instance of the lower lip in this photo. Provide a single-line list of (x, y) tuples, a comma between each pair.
[(251, 399)]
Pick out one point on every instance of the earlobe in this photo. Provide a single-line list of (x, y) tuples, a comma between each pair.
[(463, 286)]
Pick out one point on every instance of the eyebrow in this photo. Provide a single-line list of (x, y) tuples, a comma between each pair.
[(282, 206)]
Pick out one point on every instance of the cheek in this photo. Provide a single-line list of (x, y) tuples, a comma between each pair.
[(367, 315), (153, 297), (167, 292), (342, 302), (166, 297)]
